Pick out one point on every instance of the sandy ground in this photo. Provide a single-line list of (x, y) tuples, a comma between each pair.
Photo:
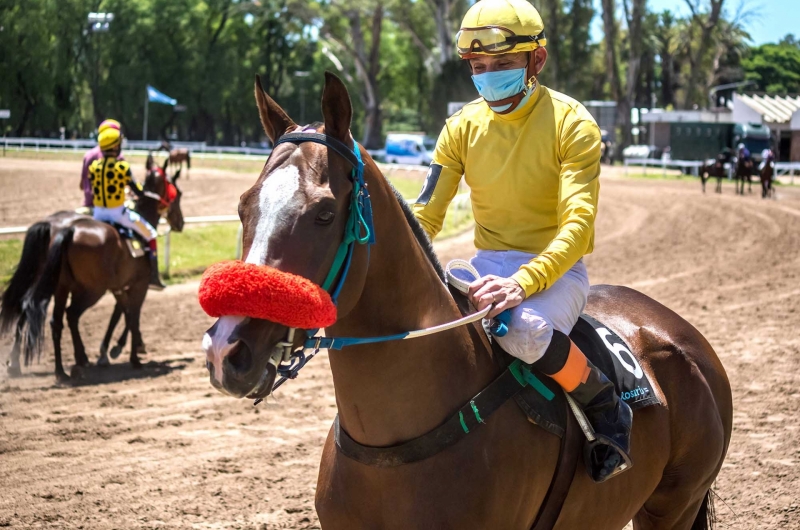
[(159, 448)]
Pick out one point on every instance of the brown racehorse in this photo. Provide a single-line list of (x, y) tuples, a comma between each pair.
[(70, 254), (743, 172), (766, 174), (713, 169), (294, 218), (178, 156)]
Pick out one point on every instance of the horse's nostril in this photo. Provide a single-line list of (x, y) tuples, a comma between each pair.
[(240, 358)]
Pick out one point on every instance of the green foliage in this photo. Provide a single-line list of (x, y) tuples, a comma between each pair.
[(775, 67), (205, 53), (10, 251)]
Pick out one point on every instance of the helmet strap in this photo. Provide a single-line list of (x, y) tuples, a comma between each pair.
[(514, 101)]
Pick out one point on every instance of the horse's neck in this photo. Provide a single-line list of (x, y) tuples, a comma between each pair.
[(391, 392), (148, 213)]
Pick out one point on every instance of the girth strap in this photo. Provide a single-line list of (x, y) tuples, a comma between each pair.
[(467, 419), (568, 457)]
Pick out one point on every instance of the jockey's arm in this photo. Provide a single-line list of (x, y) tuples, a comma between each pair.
[(441, 183), (577, 207), (132, 185)]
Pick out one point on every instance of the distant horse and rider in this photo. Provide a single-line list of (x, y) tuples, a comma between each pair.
[(177, 156), (392, 395), (76, 258), (766, 171), (715, 168), (744, 170)]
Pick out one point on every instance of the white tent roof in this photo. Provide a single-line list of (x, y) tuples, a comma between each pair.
[(773, 109)]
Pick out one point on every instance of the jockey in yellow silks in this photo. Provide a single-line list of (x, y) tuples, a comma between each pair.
[(531, 158), (108, 177)]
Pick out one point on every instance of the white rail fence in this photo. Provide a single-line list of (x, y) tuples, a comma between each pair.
[(198, 149), (460, 202), (694, 165), (781, 168)]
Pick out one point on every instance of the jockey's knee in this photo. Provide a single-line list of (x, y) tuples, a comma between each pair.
[(528, 337)]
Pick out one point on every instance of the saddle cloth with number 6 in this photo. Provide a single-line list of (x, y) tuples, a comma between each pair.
[(543, 402)]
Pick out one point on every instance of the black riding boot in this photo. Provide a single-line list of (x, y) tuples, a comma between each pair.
[(155, 278), (611, 418)]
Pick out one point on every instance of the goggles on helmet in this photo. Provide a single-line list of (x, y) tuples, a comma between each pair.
[(491, 40)]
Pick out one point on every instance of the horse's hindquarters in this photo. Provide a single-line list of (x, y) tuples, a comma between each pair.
[(693, 429)]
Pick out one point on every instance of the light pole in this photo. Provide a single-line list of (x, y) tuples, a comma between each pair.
[(301, 74), (97, 23)]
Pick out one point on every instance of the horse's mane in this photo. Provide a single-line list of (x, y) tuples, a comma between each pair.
[(419, 233)]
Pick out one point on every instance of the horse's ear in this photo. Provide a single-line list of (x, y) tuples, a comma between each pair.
[(273, 118), (166, 164), (176, 176), (337, 111), (149, 163)]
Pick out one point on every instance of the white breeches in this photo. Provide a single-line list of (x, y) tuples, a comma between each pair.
[(533, 321), (127, 218)]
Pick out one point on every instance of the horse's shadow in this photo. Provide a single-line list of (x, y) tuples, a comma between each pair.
[(116, 373)]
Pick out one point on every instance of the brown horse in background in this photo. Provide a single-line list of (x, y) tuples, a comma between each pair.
[(743, 172), (71, 254), (766, 174), (713, 169), (177, 156), (294, 219)]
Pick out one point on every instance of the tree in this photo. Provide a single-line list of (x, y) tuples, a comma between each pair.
[(701, 25), (774, 67)]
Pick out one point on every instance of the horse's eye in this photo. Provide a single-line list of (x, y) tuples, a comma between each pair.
[(325, 218)]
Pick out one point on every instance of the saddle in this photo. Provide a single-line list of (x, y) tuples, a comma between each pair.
[(544, 403), (136, 244)]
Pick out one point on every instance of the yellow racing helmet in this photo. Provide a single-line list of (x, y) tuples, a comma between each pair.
[(493, 27), (109, 139), (108, 124)]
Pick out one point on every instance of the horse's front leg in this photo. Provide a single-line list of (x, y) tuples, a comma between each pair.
[(123, 338), (112, 324), (133, 315)]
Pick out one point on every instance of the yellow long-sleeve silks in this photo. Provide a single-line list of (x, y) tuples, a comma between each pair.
[(533, 179)]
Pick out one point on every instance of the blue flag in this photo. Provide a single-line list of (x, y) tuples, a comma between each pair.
[(159, 97)]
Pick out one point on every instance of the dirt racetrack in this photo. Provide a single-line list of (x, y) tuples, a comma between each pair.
[(159, 448)]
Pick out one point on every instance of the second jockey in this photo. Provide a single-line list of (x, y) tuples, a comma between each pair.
[(531, 158), (767, 157), (95, 153), (108, 177)]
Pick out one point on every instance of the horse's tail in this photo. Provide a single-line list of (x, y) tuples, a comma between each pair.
[(188, 160), (36, 302), (707, 517), (34, 253)]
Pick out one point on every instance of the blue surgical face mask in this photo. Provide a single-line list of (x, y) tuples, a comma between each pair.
[(501, 84)]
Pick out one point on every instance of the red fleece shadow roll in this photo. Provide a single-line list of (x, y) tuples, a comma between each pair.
[(237, 288)]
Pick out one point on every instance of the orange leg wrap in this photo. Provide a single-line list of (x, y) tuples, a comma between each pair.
[(575, 370)]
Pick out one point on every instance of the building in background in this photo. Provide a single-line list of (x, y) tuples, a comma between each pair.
[(780, 113)]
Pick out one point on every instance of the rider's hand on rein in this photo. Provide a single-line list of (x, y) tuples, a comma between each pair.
[(504, 293)]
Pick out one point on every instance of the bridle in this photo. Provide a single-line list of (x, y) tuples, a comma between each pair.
[(169, 196), (359, 230)]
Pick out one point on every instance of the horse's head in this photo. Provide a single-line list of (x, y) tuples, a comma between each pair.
[(162, 195), (294, 219)]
